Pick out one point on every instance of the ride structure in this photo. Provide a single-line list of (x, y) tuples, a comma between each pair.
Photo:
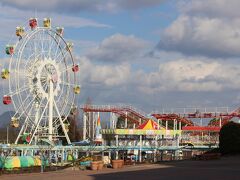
[(42, 82), (197, 126)]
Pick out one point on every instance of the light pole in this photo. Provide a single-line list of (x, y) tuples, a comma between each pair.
[(7, 134)]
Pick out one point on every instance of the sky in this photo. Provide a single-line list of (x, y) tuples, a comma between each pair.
[(151, 54)]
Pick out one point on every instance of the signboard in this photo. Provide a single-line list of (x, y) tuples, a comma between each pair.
[(141, 132)]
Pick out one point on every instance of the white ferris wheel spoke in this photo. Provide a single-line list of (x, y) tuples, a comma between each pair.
[(58, 45), (19, 91), (67, 84), (52, 40), (61, 55), (23, 103)]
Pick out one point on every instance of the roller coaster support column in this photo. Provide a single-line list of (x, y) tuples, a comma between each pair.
[(89, 119), (174, 124), (180, 125), (84, 125), (113, 120), (166, 124)]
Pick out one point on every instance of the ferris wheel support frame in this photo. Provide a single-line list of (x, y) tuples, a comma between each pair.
[(50, 108)]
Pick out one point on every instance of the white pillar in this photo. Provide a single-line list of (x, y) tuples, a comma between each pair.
[(36, 120), (7, 134), (180, 125), (89, 124), (50, 118), (140, 150), (116, 146), (126, 120), (155, 155), (174, 124), (166, 124), (112, 121), (84, 125), (116, 140), (117, 154), (109, 155)]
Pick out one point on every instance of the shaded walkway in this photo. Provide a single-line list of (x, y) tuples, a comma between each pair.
[(226, 168)]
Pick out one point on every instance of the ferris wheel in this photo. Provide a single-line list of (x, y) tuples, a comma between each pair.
[(42, 79)]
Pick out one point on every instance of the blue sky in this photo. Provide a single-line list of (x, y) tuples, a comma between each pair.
[(152, 54)]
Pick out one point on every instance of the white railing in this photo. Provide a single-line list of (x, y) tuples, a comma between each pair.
[(197, 110), (115, 106)]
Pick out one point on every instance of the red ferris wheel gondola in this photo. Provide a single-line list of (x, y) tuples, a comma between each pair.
[(33, 23), (75, 68), (7, 100)]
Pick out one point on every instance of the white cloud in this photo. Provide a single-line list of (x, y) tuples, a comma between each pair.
[(197, 32), (175, 76), (106, 75), (212, 8), (11, 17), (117, 48), (202, 36), (192, 76), (82, 5)]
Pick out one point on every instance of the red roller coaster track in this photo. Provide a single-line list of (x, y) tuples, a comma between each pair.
[(136, 116)]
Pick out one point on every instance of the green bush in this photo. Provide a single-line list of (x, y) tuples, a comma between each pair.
[(229, 138)]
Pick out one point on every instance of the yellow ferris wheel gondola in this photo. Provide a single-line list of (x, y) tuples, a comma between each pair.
[(14, 122), (60, 30), (5, 74), (20, 31), (47, 22), (77, 89), (66, 125), (69, 46), (73, 110)]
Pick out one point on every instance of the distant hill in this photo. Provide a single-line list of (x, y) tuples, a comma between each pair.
[(5, 118)]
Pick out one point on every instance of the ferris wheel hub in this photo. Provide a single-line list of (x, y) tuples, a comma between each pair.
[(48, 70)]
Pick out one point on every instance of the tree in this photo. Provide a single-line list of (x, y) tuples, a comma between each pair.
[(229, 138), (74, 133)]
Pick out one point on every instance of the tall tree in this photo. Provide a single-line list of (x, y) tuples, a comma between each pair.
[(229, 138)]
